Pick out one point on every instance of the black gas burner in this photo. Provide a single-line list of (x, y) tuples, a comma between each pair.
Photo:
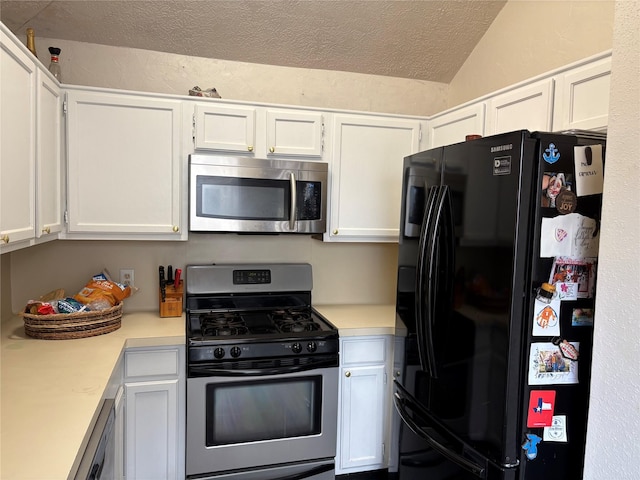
[(233, 324), (222, 324)]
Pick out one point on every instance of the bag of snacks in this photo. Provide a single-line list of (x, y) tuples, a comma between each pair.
[(101, 292)]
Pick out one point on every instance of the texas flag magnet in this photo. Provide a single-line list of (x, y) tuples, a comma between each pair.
[(541, 404)]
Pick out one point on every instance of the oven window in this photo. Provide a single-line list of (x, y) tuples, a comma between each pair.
[(252, 411), (243, 198)]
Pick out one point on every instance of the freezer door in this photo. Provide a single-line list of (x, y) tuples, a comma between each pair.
[(477, 262)]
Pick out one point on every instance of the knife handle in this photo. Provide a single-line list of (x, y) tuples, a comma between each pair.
[(163, 292), (169, 274), (176, 283)]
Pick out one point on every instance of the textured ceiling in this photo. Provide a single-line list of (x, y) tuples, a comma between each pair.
[(426, 39)]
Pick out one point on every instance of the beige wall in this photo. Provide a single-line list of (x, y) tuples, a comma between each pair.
[(614, 412), (529, 38), (158, 72), (351, 273)]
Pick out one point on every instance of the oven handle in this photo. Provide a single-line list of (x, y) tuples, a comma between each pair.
[(221, 372)]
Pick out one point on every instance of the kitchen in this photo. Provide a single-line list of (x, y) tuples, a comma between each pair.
[(365, 281)]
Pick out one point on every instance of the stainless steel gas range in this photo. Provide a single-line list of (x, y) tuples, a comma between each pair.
[(262, 375)]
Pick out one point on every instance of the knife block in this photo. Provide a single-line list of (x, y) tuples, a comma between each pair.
[(172, 305)]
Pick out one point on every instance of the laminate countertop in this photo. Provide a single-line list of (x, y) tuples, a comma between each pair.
[(51, 389)]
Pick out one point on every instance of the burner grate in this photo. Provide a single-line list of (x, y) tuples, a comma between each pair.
[(222, 324)]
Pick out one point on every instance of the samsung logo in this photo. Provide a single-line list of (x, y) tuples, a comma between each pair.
[(502, 148)]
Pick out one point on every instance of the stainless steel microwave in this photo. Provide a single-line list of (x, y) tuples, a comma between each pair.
[(236, 194)]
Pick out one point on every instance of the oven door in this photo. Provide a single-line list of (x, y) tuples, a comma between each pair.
[(244, 422)]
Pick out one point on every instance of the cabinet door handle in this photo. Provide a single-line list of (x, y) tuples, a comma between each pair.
[(272, 149), (46, 230), (5, 238), (176, 228), (250, 148), (335, 232), (347, 374)]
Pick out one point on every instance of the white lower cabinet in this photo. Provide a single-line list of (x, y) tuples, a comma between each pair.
[(363, 418), (154, 421)]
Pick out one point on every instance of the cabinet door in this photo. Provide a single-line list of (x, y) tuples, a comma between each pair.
[(525, 108), (17, 144), (152, 430), (294, 133), (454, 126), (582, 97), (363, 416), (366, 176), (119, 433), (225, 128), (49, 164), (124, 165)]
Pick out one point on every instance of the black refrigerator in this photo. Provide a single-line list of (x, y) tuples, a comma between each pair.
[(496, 282)]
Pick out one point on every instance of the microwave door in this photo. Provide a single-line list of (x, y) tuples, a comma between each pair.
[(242, 200)]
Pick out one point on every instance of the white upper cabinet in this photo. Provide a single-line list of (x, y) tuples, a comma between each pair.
[(366, 176), (224, 128), (126, 167), (294, 133), (17, 143), (454, 125), (49, 158), (257, 130), (30, 139), (582, 97), (525, 108)]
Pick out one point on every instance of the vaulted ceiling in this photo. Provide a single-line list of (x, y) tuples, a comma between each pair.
[(420, 39)]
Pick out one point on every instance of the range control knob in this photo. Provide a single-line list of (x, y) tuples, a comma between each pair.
[(235, 352), (296, 347), (312, 347), (218, 352)]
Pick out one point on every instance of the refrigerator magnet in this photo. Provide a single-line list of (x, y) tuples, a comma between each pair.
[(530, 446), (571, 235), (546, 318), (557, 432), (567, 350), (551, 154), (554, 184), (582, 317), (589, 169), (541, 405), (566, 202), (578, 271), (547, 366)]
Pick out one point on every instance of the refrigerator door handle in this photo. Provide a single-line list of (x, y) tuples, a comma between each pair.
[(425, 351), (433, 281), (403, 405)]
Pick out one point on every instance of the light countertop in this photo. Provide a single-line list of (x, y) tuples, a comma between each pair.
[(357, 320), (51, 389)]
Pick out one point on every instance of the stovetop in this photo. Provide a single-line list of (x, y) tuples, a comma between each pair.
[(258, 325), (254, 312)]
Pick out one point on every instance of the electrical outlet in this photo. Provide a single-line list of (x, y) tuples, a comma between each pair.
[(126, 276)]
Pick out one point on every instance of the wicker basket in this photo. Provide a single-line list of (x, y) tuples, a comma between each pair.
[(64, 326)]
